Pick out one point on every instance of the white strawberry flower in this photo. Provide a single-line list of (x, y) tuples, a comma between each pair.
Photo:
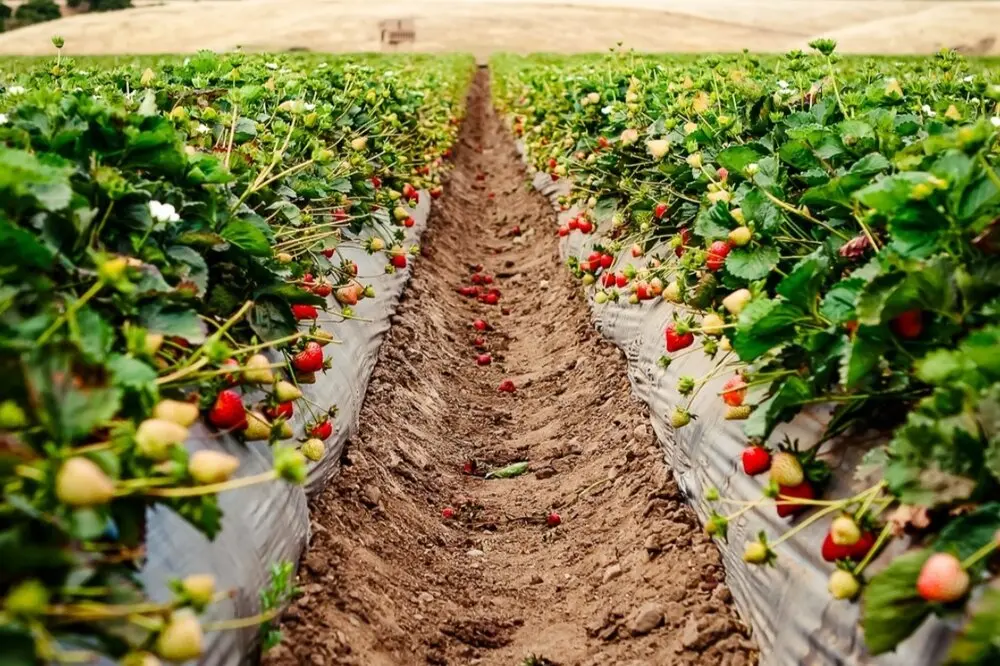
[(322, 65), (202, 128), (3, 118), (162, 212), (969, 78), (995, 121), (928, 111), (15, 90), (782, 84), (310, 107), (271, 65)]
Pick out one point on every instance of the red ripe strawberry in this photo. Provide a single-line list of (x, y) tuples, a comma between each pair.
[(469, 467), (642, 291), (717, 253), (398, 260), (677, 341), (552, 163), (339, 215), (595, 259), (322, 430), (831, 552), (685, 236), (756, 460), (376, 182), (608, 280), (282, 410), (585, 226), (436, 192), (479, 342), (621, 281), (491, 196), (308, 278), (323, 289), (564, 230), (410, 192), (480, 325), (484, 359), (607, 260), (587, 267), (555, 177), (602, 142), (573, 224), (310, 359), (492, 298), (723, 174), (328, 252), (802, 491), (515, 230), (506, 386), (908, 325), (409, 222), (447, 513), (553, 519), (660, 210), (476, 278), (301, 311), (228, 412), (734, 391), (487, 279), (232, 378)]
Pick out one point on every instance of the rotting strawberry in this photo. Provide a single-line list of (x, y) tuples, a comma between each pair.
[(480, 325), (942, 579), (553, 519), (469, 467), (908, 325), (756, 460), (803, 491), (448, 513), (506, 386), (734, 391), (716, 256), (310, 359), (302, 311), (677, 336), (228, 412), (683, 239), (484, 359), (479, 341)]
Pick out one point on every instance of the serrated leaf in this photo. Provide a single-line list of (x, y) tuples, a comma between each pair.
[(781, 406), (838, 303), (752, 263), (173, 321), (978, 642), (271, 318), (891, 607), (714, 223), (736, 158), (245, 235), (763, 325)]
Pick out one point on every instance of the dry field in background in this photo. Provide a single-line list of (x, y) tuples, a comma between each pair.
[(484, 26)]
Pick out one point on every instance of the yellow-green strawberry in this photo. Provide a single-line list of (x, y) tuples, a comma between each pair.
[(182, 638), (755, 553), (680, 417), (199, 588), (181, 413), (740, 236), (81, 483), (712, 324), (286, 391), (258, 428), (843, 585), (258, 370), (786, 469), (156, 437), (313, 449), (844, 531), (740, 413), (207, 467), (736, 301)]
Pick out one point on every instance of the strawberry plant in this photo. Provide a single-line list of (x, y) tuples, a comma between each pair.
[(824, 229), (173, 232)]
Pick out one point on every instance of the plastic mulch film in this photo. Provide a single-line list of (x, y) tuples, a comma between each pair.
[(794, 619), (268, 523)]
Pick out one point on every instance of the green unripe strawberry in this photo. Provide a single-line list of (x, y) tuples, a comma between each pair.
[(313, 449), (843, 585), (182, 638), (740, 236), (286, 391)]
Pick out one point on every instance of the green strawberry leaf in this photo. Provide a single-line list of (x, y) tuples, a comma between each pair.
[(978, 643), (752, 263), (891, 607)]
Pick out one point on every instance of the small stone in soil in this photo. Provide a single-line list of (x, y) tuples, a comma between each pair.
[(612, 572), (647, 618), (475, 552)]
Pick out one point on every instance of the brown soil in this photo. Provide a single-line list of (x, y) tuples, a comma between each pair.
[(387, 581)]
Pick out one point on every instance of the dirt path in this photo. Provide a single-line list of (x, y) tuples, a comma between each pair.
[(627, 579)]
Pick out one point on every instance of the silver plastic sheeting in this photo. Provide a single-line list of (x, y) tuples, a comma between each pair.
[(794, 619), (268, 523)]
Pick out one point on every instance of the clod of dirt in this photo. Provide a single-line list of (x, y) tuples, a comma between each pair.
[(434, 565)]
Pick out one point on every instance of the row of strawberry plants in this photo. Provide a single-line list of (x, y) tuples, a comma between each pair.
[(825, 230), (164, 223)]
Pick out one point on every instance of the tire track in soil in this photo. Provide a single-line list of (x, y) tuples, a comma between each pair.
[(388, 582)]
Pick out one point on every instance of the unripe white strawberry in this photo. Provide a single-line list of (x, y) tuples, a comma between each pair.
[(843, 585), (672, 292), (155, 438), (740, 236), (314, 449), (175, 411), (694, 160), (712, 324), (755, 553), (629, 136), (207, 467), (284, 258), (658, 148), (199, 588), (81, 483), (844, 531), (377, 244), (152, 343), (359, 143), (786, 469), (286, 391), (258, 370), (182, 638), (736, 301)]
